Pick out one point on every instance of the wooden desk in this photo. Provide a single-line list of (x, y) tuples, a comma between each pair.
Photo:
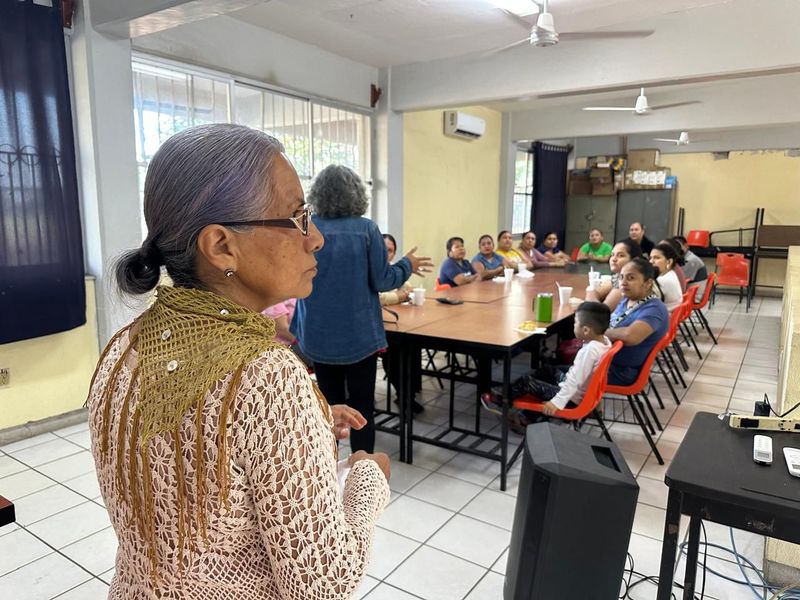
[(483, 327), (713, 478)]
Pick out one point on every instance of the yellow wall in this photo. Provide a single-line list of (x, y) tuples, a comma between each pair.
[(49, 375), (724, 194), (451, 186)]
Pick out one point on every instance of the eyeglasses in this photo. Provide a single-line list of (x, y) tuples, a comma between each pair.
[(300, 221)]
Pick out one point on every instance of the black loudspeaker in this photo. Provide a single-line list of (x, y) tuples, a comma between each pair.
[(573, 519)]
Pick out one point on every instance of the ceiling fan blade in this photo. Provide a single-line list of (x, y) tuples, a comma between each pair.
[(673, 104), (666, 140), (518, 20), (569, 36), (629, 109), (494, 51)]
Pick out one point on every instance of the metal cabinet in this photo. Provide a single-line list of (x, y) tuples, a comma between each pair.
[(655, 209), (585, 213)]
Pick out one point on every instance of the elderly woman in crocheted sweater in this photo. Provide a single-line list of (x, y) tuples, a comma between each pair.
[(215, 453)]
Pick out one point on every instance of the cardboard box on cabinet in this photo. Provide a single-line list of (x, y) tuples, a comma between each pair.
[(643, 160)]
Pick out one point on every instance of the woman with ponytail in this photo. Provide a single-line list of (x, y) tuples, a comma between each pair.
[(639, 321), (665, 259), (215, 452)]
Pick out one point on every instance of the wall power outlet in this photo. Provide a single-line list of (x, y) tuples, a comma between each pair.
[(5, 377)]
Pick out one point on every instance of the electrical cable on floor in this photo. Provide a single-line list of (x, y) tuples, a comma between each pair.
[(791, 592)]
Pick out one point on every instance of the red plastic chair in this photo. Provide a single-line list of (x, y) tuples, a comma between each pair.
[(697, 305), (638, 388), (735, 272), (588, 404), (699, 237), (442, 286), (724, 258), (574, 255)]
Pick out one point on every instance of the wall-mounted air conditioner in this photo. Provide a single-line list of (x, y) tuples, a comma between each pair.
[(462, 125)]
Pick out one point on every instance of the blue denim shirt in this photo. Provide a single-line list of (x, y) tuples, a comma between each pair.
[(341, 322)]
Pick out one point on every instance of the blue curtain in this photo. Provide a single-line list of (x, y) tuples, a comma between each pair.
[(41, 251), (549, 210)]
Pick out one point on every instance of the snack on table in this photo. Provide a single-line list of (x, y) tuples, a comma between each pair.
[(527, 326)]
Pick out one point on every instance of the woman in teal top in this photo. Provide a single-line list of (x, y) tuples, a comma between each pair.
[(487, 263), (595, 249)]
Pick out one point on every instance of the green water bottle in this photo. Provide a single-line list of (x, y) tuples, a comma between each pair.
[(543, 309)]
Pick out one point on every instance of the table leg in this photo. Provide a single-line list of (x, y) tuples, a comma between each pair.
[(669, 546), (504, 427), (691, 559), (406, 414)]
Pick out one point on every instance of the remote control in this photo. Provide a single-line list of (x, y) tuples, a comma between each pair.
[(762, 449), (792, 456)]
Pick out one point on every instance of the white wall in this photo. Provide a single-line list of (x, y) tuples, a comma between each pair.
[(736, 36), (745, 103), (229, 45)]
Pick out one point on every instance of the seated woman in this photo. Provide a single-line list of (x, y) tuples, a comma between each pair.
[(679, 262), (551, 250), (534, 258), (621, 254), (456, 270), (400, 294), (694, 268), (664, 258), (488, 263), (505, 248), (639, 321), (595, 249)]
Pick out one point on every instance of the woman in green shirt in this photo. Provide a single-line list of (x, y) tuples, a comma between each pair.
[(595, 249)]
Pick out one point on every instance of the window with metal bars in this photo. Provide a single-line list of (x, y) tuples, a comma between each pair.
[(170, 97), (523, 192)]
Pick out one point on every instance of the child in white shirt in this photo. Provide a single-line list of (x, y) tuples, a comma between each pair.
[(591, 321)]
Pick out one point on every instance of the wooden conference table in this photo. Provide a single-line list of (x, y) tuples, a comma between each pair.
[(484, 327)]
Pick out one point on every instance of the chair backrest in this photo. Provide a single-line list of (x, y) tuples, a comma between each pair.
[(727, 257), (712, 277), (442, 286), (595, 389), (699, 237), (644, 372), (688, 300), (675, 318), (734, 272), (574, 255)]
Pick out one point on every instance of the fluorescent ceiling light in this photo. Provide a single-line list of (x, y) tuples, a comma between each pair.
[(523, 8)]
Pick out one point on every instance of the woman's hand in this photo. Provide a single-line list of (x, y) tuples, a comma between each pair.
[(379, 457), (419, 264), (345, 417), (402, 295)]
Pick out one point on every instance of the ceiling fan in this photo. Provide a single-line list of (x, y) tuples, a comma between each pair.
[(642, 107), (544, 33), (683, 139)]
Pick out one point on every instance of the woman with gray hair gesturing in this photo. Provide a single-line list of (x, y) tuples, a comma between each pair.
[(339, 325), (215, 452)]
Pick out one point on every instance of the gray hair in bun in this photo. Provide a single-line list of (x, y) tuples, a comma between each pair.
[(202, 175)]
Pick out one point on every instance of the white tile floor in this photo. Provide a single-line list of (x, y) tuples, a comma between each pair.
[(446, 532)]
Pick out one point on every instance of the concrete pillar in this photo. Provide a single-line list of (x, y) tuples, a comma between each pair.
[(387, 164), (107, 172)]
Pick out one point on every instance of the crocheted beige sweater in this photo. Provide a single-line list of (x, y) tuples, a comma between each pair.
[(288, 532)]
